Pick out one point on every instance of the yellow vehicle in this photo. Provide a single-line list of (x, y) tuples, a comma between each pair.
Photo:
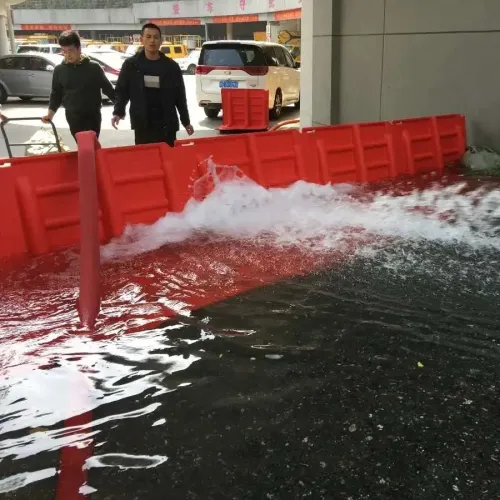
[(40, 38), (174, 51)]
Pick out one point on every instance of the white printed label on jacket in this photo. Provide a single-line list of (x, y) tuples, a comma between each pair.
[(152, 82)]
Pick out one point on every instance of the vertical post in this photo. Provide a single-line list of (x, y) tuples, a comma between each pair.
[(4, 41), (10, 27), (89, 300)]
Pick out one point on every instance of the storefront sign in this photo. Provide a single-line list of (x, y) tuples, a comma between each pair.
[(288, 15), (250, 18), (46, 27), (176, 22)]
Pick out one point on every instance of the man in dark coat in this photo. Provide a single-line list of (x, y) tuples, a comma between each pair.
[(154, 86), (78, 83)]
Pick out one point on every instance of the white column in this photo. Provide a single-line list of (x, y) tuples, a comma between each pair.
[(10, 26), (229, 31), (317, 90), (4, 41)]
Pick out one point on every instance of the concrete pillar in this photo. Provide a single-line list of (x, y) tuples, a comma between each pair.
[(207, 38), (229, 32), (274, 29), (10, 26), (4, 41), (319, 86)]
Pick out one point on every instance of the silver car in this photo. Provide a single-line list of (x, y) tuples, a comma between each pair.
[(27, 75)]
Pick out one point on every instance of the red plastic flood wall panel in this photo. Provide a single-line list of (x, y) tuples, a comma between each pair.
[(278, 158), (272, 159), (46, 203), (229, 151), (420, 144), (245, 109), (12, 236), (451, 136), (355, 153), (132, 184), (338, 153)]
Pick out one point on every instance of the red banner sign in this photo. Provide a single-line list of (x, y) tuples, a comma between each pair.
[(249, 18), (46, 27), (287, 15), (176, 22)]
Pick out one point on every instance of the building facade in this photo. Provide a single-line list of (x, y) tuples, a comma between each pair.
[(369, 60)]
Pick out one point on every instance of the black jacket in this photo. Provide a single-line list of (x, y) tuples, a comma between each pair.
[(130, 87), (78, 87)]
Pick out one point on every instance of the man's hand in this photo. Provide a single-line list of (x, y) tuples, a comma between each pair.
[(48, 117), (3, 118), (115, 121), (189, 129)]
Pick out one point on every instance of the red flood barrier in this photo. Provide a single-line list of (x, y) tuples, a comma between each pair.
[(49, 202), (245, 109)]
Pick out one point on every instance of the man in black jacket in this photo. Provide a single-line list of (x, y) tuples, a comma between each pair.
[(154, 85), (77, 84)]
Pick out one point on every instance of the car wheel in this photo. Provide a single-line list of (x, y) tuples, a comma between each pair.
[(278, 106), (211, 112), (3, 95), (25, 98), (192, 69)]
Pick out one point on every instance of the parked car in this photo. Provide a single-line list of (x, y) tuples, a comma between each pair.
[(188, 64), (44, 48), (246, 65), (30, 75), (111, 62)]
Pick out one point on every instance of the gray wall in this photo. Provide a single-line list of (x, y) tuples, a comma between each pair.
[(402, 58)]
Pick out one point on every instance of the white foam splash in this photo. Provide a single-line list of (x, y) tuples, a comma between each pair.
[(319, 216)]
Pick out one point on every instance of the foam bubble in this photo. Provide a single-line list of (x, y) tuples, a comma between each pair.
[(319, 216)]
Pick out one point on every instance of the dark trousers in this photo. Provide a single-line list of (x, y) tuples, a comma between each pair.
[(82, 123), (152, 135)]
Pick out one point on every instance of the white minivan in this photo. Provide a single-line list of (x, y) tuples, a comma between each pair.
[(246, 65)]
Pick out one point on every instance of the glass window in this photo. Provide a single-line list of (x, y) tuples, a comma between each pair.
[(38, 64), (272, 60), (228, 54), (289, 58), (14, 63), (280, 55), (27, 48)]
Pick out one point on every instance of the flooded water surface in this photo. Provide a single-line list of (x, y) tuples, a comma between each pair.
[(309, 342)]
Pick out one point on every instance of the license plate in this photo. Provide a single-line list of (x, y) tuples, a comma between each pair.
[(228, 84)]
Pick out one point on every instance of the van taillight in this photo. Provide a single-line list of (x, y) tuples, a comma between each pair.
[(256, 70), (203, 70)]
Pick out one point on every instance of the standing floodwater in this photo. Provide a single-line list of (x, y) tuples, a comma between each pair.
[(375, 377)]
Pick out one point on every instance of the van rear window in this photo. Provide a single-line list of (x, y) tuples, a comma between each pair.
[(232, 55)]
